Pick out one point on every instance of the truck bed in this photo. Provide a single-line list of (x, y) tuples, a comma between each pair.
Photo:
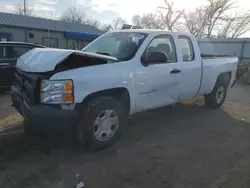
[(213, 66)]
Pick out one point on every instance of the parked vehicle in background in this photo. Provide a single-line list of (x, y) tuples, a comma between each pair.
[(93, 91), (9, 53)]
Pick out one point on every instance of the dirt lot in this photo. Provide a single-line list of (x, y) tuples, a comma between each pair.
[(183, 146)]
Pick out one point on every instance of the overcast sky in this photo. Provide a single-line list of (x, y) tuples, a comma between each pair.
[(103, 10)]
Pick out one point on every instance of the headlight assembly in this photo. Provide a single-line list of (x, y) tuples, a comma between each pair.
[(57, 92)]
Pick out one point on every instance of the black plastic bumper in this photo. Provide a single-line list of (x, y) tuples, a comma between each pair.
[(45, 119)]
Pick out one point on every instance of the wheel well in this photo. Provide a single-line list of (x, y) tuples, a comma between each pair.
[(120, 94), (224, 78)]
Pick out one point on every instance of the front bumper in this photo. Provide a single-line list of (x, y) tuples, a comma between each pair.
[(44, 119)]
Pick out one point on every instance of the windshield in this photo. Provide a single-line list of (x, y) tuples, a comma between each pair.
[(122, 45)]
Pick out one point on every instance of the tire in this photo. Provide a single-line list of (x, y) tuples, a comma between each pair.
[(212, 100), (94, 129)]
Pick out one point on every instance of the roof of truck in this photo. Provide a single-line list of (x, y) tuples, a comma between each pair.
[(140, 30), (149, 31)]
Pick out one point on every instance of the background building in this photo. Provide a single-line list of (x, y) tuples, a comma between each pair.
[(51, 33)]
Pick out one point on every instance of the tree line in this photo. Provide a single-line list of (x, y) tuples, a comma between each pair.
[(75, 15), (214, 19)]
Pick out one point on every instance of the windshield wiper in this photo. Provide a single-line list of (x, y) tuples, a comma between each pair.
[(103, 53)]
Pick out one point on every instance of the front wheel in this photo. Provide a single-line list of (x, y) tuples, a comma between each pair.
[(101, 123), (215, 99)]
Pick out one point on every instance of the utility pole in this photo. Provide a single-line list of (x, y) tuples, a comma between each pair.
[(25, 14), (24, 7)]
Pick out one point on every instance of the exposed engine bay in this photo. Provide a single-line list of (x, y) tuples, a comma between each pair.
[(74, 61)]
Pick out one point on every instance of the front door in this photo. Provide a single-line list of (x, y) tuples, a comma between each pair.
[(158, 84)]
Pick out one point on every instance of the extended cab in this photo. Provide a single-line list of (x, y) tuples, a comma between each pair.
[(93, 91)]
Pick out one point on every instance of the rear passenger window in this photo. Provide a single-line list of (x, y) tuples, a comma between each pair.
[(4, 52), (187, 49), (20, 50), (164, 43)]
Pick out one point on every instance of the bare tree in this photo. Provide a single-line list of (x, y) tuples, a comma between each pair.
[(235, 25), (117, 23), (169, 15), (91, 21), (215, 12), (74, 15), (212, 20), (148, 21), (196, 21), (226, 26), (241, 25), (106, 27), (21, 10), (204, 21), (136, 20)]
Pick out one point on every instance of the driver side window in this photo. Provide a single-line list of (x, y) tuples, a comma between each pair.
[(165, 44)]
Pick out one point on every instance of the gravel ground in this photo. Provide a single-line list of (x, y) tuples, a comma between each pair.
[(182, 146)]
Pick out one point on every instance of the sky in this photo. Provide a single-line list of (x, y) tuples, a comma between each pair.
[(102, 10)]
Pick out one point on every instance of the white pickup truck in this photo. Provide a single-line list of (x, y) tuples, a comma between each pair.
[(93, 91)]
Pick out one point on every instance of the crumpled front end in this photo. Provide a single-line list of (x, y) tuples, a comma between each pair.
[(41, 60), (40, 119)]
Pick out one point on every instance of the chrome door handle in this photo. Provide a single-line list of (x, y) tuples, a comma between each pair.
[(4, 64)]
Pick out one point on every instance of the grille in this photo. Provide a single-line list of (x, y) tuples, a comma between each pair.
[(28, 86)]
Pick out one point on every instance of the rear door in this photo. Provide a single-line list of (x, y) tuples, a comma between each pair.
[(8, 59), (190, 67), (5, 64), (16, 51)]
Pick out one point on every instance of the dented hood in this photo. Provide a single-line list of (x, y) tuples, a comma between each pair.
[(46, 59)]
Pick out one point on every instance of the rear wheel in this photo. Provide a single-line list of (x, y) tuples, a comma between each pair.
[(215, 99), (101, 123)]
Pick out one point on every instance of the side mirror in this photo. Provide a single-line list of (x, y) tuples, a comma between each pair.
[(155, 57)]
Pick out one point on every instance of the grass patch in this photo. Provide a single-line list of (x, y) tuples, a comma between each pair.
[(10, 121)]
